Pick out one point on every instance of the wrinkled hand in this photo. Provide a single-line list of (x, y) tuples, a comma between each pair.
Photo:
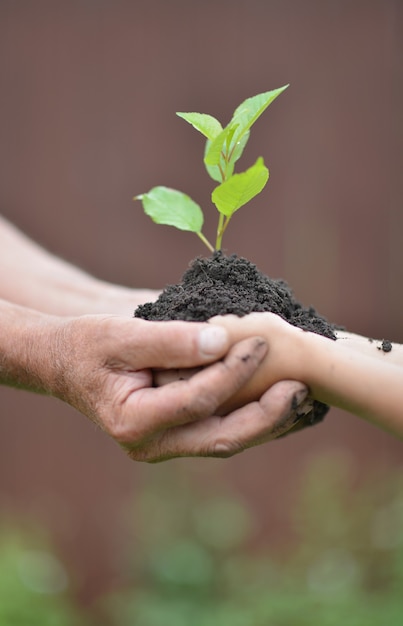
[(104, 369)]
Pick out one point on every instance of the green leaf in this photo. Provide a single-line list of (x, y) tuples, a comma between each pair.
[(251, 109), (240, 188), (231, 132), (237, 148), (235, 151), (171, 207), (213, 170), (205, 124), (216, 147)]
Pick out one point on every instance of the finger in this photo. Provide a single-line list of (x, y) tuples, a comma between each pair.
[(164, 377), (223, 437), (169, 344), (311, 413), (149, 411), (302, 418), (238, 326)]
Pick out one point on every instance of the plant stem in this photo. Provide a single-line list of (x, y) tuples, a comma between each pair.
[(220, 232), (232, 151), (205, 241), (227, 219), (221, 224)]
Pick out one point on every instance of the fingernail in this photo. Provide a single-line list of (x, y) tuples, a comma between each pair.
[(213, 340), (291, 417), (298, 398)]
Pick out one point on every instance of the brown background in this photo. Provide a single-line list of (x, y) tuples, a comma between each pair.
[(88, 92)]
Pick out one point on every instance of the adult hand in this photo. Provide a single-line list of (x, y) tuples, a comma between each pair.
[(104, 370)]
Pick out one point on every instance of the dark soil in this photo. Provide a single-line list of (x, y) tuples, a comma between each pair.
[(386, 346), (230, 284)]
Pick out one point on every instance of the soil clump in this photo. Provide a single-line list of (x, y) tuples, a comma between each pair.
[(221, 285)]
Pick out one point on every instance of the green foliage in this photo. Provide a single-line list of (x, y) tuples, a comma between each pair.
[(167, 206), (190, 558), (197, 567), (34, 584), (224, 147), (216, 171), (240, 188), (206, 124)]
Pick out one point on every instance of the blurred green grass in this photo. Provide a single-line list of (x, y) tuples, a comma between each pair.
[(191, 562)]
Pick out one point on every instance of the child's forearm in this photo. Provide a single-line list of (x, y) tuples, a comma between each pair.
[(351, 374), (355, 381), (381, 349)]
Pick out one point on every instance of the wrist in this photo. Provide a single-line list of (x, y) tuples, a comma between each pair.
[(117, 299), (27, 348)]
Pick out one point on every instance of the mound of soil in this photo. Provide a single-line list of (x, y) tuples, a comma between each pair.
[(221, 285)]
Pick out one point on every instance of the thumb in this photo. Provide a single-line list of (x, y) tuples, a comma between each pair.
[(175, 344)]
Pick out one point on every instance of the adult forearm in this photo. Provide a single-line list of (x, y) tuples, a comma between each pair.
[(35, 278), (27, 350)]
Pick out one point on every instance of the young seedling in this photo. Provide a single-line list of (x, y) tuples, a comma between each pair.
[(224, 146)]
